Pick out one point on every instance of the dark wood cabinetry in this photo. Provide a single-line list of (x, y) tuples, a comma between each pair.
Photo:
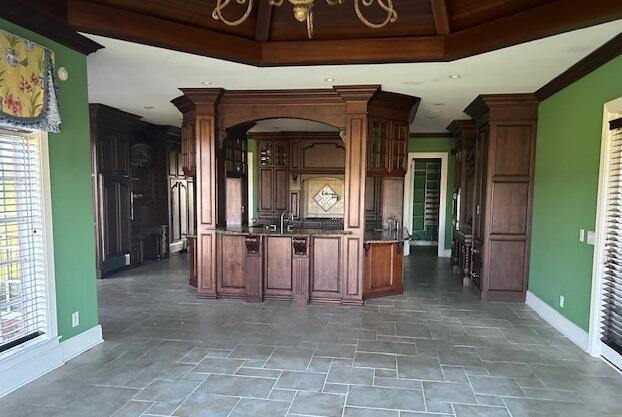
[(373, 203), (501, 190), (181, 200), (463, 198), (273, 178), (286, 154), (110, 139), (387, 148), (141, 191)]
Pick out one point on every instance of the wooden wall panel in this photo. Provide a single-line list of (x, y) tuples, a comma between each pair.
[(511, 211), (231, 260), (278, 267), (513, 151), (326, 268), (206, 264), (507, 265), (324, 156)]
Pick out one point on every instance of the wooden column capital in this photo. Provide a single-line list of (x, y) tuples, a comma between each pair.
[(356, 97), (198, 101)]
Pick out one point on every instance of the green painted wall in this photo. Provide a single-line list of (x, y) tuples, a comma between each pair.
[(565, 190), (440, 145), (72, 198)]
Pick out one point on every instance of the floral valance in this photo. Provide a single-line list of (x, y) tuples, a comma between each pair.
[(27, 85)]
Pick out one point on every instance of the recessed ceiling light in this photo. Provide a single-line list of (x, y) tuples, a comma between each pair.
[(206, 82), (329, 79), (438, 104), (454, 76), (149, 107)]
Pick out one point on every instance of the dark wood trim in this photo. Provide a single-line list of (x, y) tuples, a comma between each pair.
[(417, 135), (108, 21), (535, 23), (530, 24), (293, 135), (264, 18), (441, 17), (602, 55), (32, 18)]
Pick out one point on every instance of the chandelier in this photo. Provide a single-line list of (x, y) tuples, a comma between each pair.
[(303, 11)]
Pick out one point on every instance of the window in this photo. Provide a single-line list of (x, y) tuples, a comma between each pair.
[(23, 261)]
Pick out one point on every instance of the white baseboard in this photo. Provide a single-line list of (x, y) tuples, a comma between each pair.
[(24, 367), (82, 342), (573, 332)]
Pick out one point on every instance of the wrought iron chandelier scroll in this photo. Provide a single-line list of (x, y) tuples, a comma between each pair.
[(303, 11)]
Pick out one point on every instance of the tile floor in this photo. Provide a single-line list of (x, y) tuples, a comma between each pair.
[(436, 351)]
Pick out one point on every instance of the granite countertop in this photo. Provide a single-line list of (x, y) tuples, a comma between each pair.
[(256, 230), (386, 236)]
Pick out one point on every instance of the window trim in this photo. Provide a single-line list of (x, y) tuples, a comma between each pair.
[(46, 203), (611, 110)]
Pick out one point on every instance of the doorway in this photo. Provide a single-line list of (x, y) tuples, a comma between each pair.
[(605, 337), (425, 200)]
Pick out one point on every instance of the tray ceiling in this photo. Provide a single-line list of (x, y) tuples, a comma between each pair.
[(426, 30)]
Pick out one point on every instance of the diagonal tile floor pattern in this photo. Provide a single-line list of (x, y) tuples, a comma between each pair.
[(436, 351)]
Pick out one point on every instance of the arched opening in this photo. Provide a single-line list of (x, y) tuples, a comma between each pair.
[(286, 172)]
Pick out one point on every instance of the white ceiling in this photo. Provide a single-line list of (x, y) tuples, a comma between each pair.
[(131, 76)]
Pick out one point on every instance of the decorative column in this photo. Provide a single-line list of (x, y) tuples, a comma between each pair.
[(357, 99), (199, 134)]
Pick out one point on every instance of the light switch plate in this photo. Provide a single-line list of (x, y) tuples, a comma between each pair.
[(75, 319), (581, 235)]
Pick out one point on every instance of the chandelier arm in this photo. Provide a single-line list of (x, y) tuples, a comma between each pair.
[(222, 4), (334, 2), (275, 2), (310, 24), (386, 5)]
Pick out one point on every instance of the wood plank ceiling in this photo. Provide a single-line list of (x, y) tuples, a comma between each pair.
[(426, 30)]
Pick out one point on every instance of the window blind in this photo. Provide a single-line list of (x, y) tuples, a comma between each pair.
[(23, 295), (611, 325)]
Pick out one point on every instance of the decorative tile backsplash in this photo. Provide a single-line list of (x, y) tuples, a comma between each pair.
[(324, 197)]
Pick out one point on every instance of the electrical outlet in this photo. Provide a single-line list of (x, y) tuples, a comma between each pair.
[(75, 319), (561, 301), (581, 235)]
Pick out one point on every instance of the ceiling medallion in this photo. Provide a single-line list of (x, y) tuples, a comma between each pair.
[(303, 11)]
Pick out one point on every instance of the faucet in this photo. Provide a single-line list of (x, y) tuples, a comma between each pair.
[(291, 218)]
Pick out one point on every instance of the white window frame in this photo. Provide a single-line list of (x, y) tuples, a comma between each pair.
[(408, 198), (612, 110), (21, 353)]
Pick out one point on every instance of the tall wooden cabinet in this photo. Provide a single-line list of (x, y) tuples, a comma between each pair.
[(502, 193), (181, 200), (110, 142)]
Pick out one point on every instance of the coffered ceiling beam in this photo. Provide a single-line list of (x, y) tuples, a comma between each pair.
[(535, 23), (441, 17), (98, 19)]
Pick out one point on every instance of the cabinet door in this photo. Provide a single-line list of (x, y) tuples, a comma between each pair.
[(278, 267), (124, 225), (281, 153), (191, 211), (183, 209), (266, 188), (265, 154), (175, 226), (109, 217), (384, 266), (281, 189), (378, 161), (399, 148), (325, 280)]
